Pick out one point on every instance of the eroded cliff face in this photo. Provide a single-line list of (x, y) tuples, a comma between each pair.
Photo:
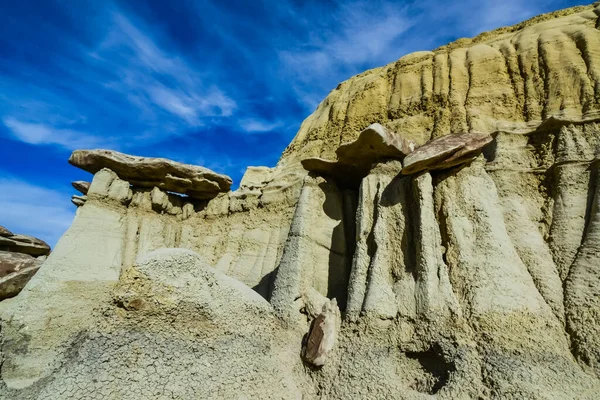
[(477, 277)]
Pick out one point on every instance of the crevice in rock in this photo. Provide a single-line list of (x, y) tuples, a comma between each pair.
[(371, 243), (435, 370)]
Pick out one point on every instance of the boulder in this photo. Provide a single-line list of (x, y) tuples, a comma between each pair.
[(5, 232), (11, 285), (24, 244), (16, 269), (354, 159), (445, 152), (12, 262), (194, 181), (81, 186), (322, 336)]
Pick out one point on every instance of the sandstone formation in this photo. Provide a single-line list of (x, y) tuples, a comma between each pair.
[(194, 181), (81, 186), (78, 200), (354, 159), (5, 232), (467, 268), (24, 244), (445, 152), (18, 262)]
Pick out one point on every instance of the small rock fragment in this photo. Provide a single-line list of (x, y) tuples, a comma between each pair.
[(322, 335), (78, 200), (81, 186)]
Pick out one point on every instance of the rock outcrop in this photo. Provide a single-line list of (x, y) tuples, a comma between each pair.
[(81, 186), (445, 152), (78, 200), (354, 159), (20, 258), (16, 269), (465, 268), (24, 244), (194, 181)]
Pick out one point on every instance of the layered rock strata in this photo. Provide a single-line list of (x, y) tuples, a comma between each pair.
[(21, 256), (453, 281), (354, 159), (194, 181)]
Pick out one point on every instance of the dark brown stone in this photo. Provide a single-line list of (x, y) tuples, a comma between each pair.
[(354, 159), (445, 152), (24, 244), (81, 186)]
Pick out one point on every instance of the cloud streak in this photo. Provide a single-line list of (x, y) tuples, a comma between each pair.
[(34, 210)]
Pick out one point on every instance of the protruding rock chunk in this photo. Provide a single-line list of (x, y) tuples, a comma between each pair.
[(78, 200), (321, 338), (5, 232), (446, 152), (16, 269), (354, 159), (81, 186), (24, 244), (194, 181)]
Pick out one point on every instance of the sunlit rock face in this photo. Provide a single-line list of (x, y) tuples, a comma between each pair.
[(461, 250)]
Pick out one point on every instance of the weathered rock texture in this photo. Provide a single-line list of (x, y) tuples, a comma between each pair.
[(20, 258), (477, 280), (5, 232), (192, 180), (445, 152), (81, 186), (354, 159), (24, 244)]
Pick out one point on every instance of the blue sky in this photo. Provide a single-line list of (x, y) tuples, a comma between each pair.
[(224, 84)]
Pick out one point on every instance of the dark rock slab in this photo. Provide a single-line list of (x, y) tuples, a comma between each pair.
[(81, 186), (78, 200), (24, 244), (5, 232), (12, 284), (445, 152), (354, 159)]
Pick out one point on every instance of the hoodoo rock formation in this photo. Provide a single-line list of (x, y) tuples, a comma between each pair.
[(192, 180), (459, 238)]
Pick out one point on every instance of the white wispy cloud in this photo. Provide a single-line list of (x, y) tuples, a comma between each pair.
[(258, 125), (39, 133), (156, 78), (34, 210)]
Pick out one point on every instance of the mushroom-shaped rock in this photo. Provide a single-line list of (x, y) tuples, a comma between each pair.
[(5, 232), (192, 180), (81, 186), (24, 244), (445, 152), (16, 269), (322, 335), (354, 159)]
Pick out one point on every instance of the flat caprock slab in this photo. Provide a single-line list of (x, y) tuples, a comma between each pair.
[(192, 180)]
